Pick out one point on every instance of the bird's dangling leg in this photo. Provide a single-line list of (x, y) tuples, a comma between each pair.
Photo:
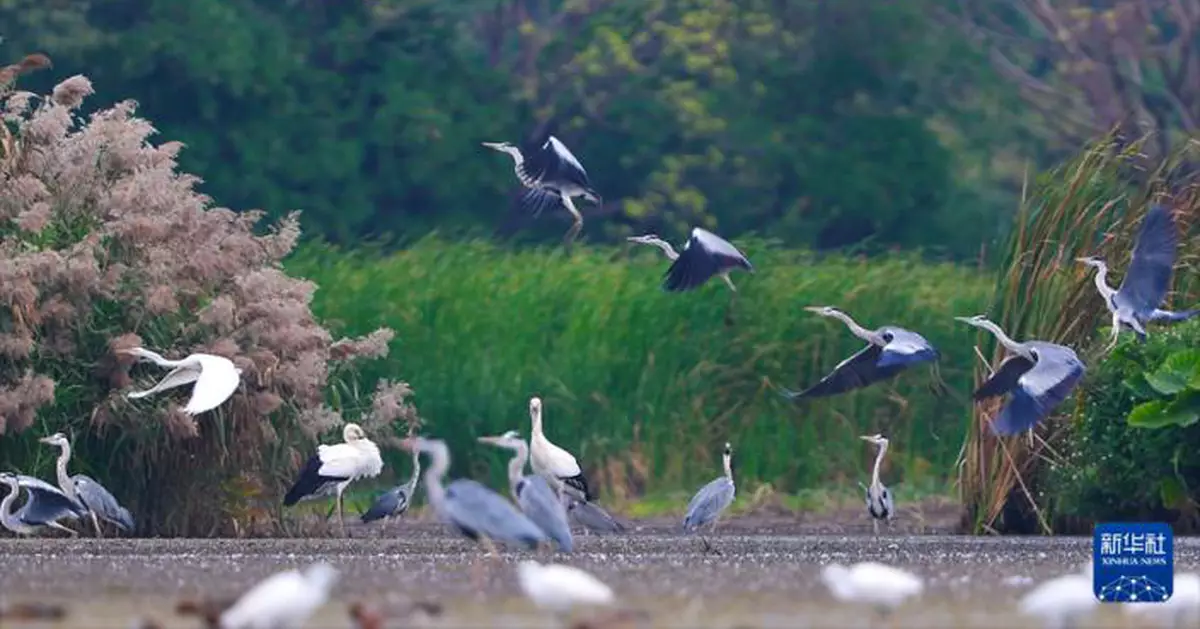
[(96, 523), (732, 300), (1116, 333), (56, 525), (576, 227)]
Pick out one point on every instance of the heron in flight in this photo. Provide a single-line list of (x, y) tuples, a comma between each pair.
[(334, 467), (533, 494), (552, 463), (889, 351), (1039, 374), (285, 599), (712, 499), (215, 377), (45, 506), (550, 172), (1147, 280), (395, 501), (880, 502), (96, 501), (705, 255)]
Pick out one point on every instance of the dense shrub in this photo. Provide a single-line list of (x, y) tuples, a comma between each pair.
[(103, 246)]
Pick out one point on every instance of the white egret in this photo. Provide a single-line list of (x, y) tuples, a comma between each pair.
[(216, 378), (559, 588), (285, 600)]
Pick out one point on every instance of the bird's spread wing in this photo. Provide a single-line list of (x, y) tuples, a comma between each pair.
[(537, 200), (475, 508), (391, 502), (219, 379), (694, 266), (1005, 378), (726, 254), (552, 163), (859, 370), (46, 502), (177, 377), (709, 502), (94, 496), (1040, 389), (1148, 278), (905, 348), (593, 517)]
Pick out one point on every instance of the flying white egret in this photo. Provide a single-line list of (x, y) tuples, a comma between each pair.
[(334, 467), (551, 173), (551, 462), (533, 494), (705, 255), (889, 351), (1040, 375), (559, 588), (712, 499), (1180, 611), (91, 495), (1061, 602), (395, 501), (215, 377), (1147, 280), (881, 586), (285, 600), (44, 507), (880, 504)]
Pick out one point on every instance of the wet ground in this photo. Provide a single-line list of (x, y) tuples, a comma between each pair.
[(758, 580)]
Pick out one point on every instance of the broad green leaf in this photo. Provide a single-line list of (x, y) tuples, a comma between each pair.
[(1172, 492), (1155, 414), (1185, 408), (1168, 381)]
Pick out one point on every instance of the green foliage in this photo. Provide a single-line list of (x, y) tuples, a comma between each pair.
[(644, 386), (1176, 385)]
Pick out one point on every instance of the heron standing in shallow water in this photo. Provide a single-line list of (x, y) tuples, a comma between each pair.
[(334, 467), (45, 506), (1147, 280), (880, 504), (99, 503), (712, 499), (532, 493), (1039, 374)]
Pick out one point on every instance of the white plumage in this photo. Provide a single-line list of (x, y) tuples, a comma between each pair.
[(282, 601), (216, 378), (1062, 601), (1181, 610), (334, 467), (551, 462), (559, 588), (881, 586)]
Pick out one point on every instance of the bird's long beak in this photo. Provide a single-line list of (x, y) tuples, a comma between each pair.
[(866, 438), (45, 440), (816, 309), (963, 319), (489, 440), (494, 145)]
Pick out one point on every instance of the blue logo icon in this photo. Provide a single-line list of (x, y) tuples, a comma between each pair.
[(1133, 562)]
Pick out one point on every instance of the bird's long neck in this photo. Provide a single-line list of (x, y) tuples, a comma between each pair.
[(1101, 280), (536, 421), (878, 463), (6, 515), (433, 478), (1005, 340), (666, 247), (416, 473), (855, 328), (516, 467), (64, 479), (727, 461)]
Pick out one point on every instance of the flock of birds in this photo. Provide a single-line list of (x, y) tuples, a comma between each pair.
[(1038, 375)]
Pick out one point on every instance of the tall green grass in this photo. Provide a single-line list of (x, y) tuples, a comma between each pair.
[(644, 386)]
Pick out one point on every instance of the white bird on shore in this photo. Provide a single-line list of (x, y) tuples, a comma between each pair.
[(215, 377), (285, 600), (883, 587), (1179, 611), (552, 463), (334, 467), (559, 588), (1061, 602)]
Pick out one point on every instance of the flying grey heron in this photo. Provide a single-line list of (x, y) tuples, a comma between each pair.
[(334, 467), (591, 517), (473, 510), (215, 377), (550, 172), (880, 503), (44, 507), (97, 501), (533, 494), (712, 499), (286, 599), (889, 351), (1147, 280), (1039, 374), (705, 255), (552, 463), (395, 501)]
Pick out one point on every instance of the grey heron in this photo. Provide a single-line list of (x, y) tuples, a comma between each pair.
[(889, 351), (550, 172), (1039, 374), (559, 588), (880, 503), (551, 462), (473, 510), (705, 255), (395, 501), (216, 378), (334, 467), (712, 499), (99, 503), (591, 517), (285, 600), (1147, 280), (44, 507), (879, 585), (538, 501)]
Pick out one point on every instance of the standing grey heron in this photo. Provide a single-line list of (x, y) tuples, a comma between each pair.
[(215, 377), (1039, 374), (395, 501), (552, 463), (705, 255), (473, 510), (1147, 280), (889, 351), (712, 499), (45, 506), (97, 501), (591, 517), (533, 494), (880, 503), (334, 467), (551, 173)]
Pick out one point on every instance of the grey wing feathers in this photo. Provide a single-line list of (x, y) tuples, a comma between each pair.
[(708, 503), (1005, 378), (1148, 278), (46, 503), (390, 503), (1057, 371), (592, 517), (473, 507), (859, 370), (100, 501), (718, 247), (540, 503)]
